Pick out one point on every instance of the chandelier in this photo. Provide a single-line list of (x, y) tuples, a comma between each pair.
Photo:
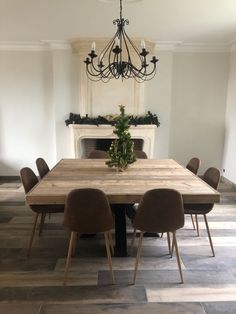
[(120, 58)]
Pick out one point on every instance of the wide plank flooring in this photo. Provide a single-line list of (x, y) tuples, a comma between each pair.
[(34, 285)]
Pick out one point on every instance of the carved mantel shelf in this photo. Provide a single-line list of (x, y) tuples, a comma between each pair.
[(147, 133)]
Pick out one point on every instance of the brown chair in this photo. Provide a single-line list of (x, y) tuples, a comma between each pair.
[(211, 177), (29, 180), (87, 211), (193, 165), (42, 167), (160, 210), (98, 154), (140, 154)]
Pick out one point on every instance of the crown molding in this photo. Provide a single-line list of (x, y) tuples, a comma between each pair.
[(178, 46), (43, 45), (174, 46), (202, 47), (166, 45)]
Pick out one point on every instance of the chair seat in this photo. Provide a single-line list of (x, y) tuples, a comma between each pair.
[(48, 209), (197, 209)]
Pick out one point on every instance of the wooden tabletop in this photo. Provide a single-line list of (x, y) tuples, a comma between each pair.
[(120, 187)]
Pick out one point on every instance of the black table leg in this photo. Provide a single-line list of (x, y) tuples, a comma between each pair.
[(120, 229)]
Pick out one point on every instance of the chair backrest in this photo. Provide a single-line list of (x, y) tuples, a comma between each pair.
[(193, 165), (140, 154), (99, 154), (28, 179), (160, 210), (42, 167), (212, 177), (87, 211)]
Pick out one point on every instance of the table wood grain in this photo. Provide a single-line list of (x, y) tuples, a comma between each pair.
[(120, 187)]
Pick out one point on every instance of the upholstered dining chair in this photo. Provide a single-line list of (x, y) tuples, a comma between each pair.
[(193, 166), (211, 177), (140, 154), (99, 154), (42, 167), (29, 180), (87, 211), (160, 210)]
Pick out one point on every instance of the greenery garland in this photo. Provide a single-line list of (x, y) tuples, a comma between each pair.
[(148, 118)]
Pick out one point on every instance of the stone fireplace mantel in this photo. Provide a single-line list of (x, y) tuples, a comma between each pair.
[(146, 133)]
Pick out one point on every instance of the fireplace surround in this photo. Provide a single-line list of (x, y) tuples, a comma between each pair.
[(88, 137)]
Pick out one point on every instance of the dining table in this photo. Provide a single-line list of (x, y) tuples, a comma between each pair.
[(121, 187)]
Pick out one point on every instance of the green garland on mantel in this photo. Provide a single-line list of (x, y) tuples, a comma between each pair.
[(148, 118)]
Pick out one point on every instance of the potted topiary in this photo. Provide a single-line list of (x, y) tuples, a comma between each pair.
[(121, 151)]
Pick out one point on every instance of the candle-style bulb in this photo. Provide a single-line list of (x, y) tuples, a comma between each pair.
[(100, 57), (93, 46), (143, 46)]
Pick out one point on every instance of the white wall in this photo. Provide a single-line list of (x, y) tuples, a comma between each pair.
[(230, 124), (38, 89), (25, 110), (198, 107), (63, 99), (33, 107), (158, 100)]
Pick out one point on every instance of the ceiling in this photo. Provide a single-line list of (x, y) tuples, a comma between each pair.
[(174, 21)]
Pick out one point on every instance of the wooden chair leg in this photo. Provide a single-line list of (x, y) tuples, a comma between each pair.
[(209, 235), (72, 236), (138, 256), (76, 237), (42, 220), (193, 222), (178, 258), (172, 247), (109, 255), (111, 243), (169, 246), (133, 239), (161, 236), (197, 225), (32, 234)]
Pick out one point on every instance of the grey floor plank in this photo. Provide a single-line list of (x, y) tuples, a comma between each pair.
[(149, 308)]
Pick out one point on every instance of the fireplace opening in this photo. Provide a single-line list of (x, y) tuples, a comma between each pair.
[(90, 144)]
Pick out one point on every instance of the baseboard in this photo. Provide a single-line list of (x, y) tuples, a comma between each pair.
[(9, 178), (228, 182)]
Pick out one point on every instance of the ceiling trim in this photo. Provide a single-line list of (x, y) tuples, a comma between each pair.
[(202, 47), (175, 46), (43, 45)]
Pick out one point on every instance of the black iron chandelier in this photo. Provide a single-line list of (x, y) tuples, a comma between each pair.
[(120, 58)]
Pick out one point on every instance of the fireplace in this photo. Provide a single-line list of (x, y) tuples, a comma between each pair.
[(89, 137)]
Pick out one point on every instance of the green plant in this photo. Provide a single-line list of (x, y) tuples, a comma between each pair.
[(121, 151)]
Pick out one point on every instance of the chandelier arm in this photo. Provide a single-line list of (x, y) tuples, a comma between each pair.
[(108, 46), (92, 77), (90, 71), (93, 68), (153, 70), (133, 46), (106, 73)]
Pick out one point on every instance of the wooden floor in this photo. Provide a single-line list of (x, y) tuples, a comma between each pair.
[(35, 285)]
